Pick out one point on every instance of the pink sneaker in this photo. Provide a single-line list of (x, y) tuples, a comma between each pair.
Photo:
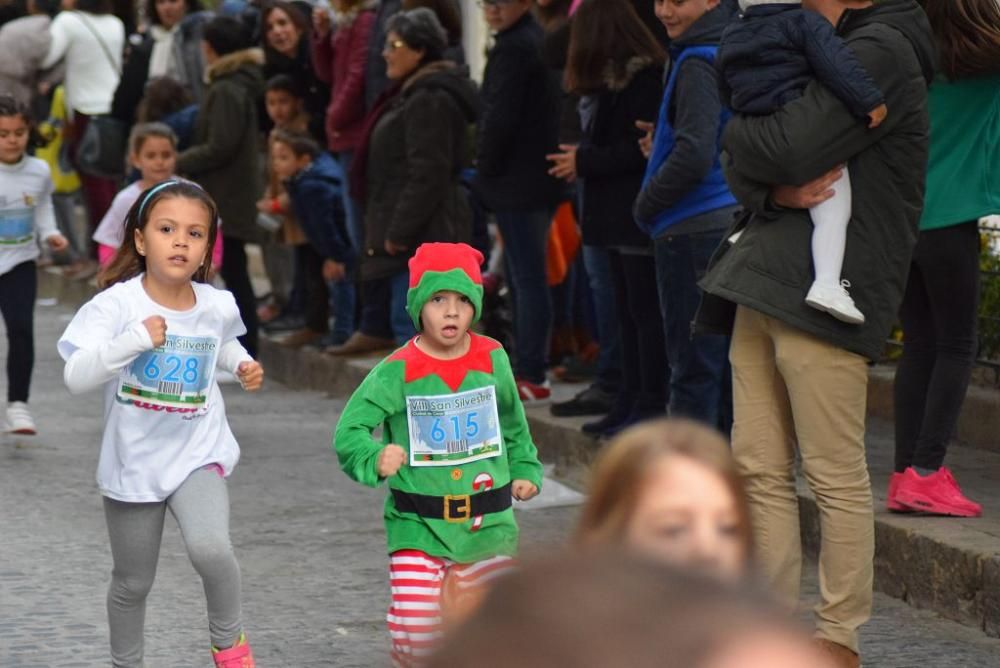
[(937, 494), (892, 504), (237, 656)]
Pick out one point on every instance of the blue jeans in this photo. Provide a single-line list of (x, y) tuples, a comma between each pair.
[(697, 364), (525, 235), (342, 300), (402, 326), (352, 208), (602, 289)]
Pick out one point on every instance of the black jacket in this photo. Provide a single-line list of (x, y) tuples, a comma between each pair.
[(317, 194), (520, 123), (609, 161), (769, 268), (416, 153), (769, 55)]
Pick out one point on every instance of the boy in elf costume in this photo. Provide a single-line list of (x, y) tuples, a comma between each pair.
[(455, 448)]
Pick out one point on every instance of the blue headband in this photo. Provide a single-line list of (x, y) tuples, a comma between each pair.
[(152, 191)]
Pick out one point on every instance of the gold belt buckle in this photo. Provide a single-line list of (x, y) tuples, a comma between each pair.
[(463, 511)]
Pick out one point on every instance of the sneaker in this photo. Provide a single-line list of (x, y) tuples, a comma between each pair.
[(835, 300), (300, 338), (533, 392), (937, 494), (591, 401), (19, 419), (237, 656), (284, 323), (892, 503)]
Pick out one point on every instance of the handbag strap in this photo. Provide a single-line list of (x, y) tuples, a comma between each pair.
[(104, 47)]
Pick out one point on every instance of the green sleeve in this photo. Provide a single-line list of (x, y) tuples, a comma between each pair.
[(522, 456), (378, 397)]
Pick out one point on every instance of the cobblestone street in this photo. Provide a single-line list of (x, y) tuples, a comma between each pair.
[(309, 540)]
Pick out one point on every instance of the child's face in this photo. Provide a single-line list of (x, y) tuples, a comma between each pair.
[(502, 14), (687, 515), (285, 163), (14, 134), (174, 240), (678, 15), (156, 159), (446, 317), (282, 107)]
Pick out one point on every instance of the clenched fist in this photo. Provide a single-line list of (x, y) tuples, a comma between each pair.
[(157, 328), (522, 490), (390, 460), (250, 375)]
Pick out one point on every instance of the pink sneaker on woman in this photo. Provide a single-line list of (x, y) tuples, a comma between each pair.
[(892, 503), (237, 656), (937, 494)]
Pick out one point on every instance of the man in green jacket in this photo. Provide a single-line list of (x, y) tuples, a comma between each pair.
[(800, 376)]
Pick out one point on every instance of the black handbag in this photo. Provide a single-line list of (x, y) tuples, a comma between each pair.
[(101, 150)]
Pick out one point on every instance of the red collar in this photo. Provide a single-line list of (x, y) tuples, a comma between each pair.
[(419, 364)]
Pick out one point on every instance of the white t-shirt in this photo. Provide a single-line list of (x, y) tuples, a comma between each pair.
[(26, 214), (111, 229), (164, 416), (91, 79)]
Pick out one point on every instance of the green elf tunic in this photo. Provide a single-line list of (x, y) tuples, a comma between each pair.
[(410, 377)]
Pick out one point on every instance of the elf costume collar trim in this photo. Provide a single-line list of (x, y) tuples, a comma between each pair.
[(419, 364)]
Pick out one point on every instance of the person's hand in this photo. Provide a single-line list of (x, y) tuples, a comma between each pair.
[(563, 164), (522, 490), (57, 242), (333, 271), (44, 87), (646, 141), (264, 205), (321, 21), (390, 460), (251, 375), (157, 328), (393, 248), (877, 115), (808, 194)]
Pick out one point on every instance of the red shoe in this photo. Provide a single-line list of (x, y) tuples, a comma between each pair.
[(937, 494), (892, 503), (532, 392), (237, 656)]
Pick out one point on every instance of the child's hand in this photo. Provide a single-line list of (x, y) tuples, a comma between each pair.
[(877, 115), (522, 490), (333, 271), (563, 164), (646, 141), (390, 460), (264, 205), (321, 21), (157, 328), (250, 375), (57, 242)]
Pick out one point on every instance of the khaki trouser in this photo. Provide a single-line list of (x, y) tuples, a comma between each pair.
[(791, 388)]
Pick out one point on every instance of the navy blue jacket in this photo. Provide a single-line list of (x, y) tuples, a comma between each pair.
[(769, 56), (317, 200)]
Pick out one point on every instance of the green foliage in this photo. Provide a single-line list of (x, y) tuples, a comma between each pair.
[(989, 305)]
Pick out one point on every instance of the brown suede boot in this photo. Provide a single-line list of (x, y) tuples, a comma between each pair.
[(840, 655)]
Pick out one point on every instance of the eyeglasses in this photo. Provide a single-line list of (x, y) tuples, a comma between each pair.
[(393, 44), (493, 3)]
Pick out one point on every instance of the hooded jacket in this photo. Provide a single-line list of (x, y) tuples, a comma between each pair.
[(416, 153), (224, 154), (317, 196), (769, 267)]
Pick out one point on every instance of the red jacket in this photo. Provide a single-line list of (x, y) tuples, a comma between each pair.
[(340, 61)]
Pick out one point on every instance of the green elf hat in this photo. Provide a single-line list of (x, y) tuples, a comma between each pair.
[(439, 266)]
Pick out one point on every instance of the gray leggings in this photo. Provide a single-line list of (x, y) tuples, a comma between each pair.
[(201, 507)]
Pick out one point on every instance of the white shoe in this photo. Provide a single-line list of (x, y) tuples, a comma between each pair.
[(834, 300), (19, 419)]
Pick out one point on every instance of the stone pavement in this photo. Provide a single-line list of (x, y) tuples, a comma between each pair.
[(309, 540)]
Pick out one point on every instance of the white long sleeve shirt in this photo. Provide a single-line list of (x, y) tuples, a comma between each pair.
[(90, 78), (26, 214)]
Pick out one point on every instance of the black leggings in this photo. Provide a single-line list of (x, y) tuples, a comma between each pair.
[(938, 315), (17, 306), (237, 278)]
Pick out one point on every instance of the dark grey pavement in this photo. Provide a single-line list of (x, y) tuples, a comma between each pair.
[(309, 540)]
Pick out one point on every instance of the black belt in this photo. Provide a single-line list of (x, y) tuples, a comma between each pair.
[(453, 507)]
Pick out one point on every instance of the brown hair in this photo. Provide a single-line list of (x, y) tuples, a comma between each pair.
[(295, 15), (143, 131), (299, 143), (127, 262), (606, 34), (967, 33), (447, 14), (162, 97), (618, 475)]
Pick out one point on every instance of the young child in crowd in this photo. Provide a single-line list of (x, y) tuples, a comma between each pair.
[(455, 448), (669, 489), (26, 217), (152, 151), (153, 340), (315, 185), (767, 58)]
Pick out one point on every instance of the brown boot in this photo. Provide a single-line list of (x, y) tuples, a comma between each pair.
[(361, 343), (300, 338), (841, 656)]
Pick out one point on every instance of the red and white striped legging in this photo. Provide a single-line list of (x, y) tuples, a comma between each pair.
[(416, 580)]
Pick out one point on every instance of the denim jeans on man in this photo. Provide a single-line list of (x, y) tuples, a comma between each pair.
[(525, 235), (597, 261)]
